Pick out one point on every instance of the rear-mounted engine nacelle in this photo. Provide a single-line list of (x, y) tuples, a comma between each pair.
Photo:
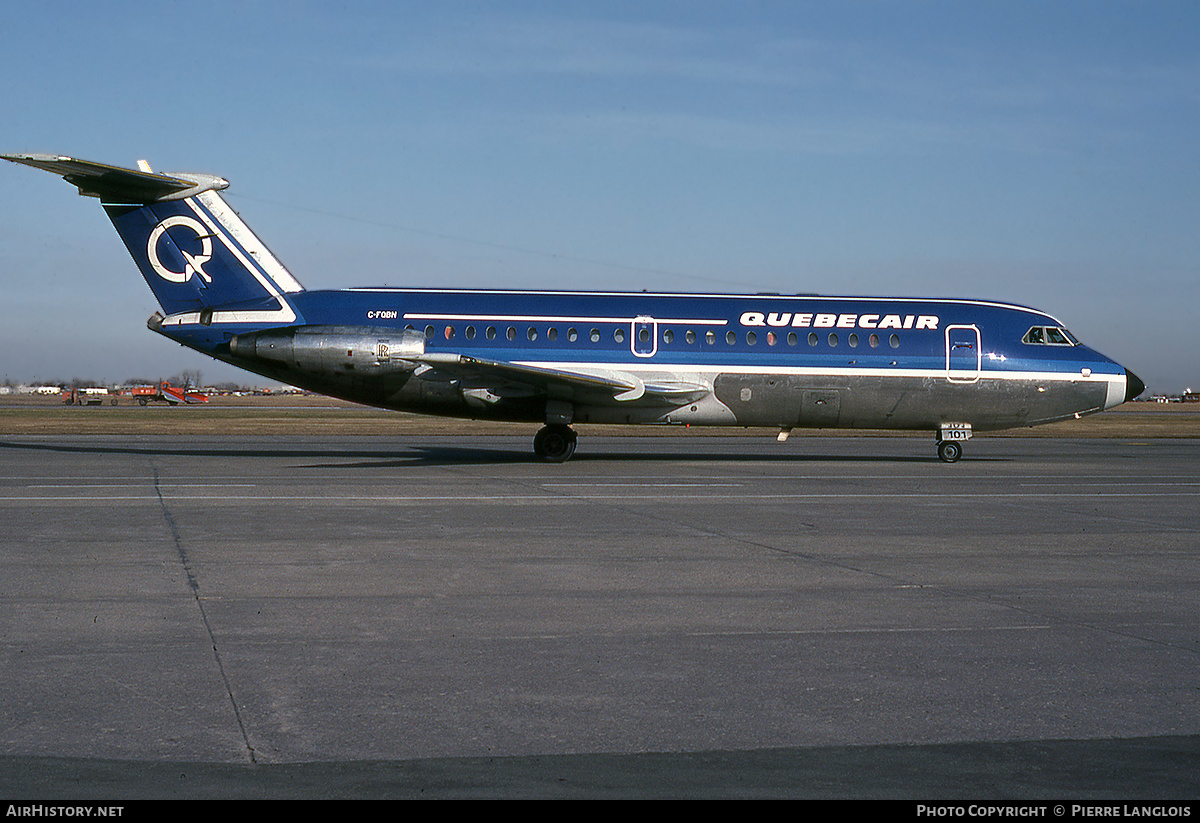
[(332, 349)]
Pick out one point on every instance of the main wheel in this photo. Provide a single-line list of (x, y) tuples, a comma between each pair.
[(555, 443), (949, 451)]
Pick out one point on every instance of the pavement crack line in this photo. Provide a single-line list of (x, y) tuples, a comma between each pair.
[(194, 585)]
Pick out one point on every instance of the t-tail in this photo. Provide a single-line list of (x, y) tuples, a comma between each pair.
[(201, 261)]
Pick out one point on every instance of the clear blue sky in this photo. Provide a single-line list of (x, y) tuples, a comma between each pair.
[(1043, 153)]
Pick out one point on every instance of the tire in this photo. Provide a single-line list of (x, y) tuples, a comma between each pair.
[(949, 451), (555, 443)]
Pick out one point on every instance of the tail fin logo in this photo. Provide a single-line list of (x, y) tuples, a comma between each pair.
[(193, 263)]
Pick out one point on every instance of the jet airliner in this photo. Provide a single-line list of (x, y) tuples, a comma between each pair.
[(949, 367)]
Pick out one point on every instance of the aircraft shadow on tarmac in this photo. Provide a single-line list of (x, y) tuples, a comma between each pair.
[(444, 455), (459, 456)]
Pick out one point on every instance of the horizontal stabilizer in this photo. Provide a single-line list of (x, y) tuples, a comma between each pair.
[(113, 184)]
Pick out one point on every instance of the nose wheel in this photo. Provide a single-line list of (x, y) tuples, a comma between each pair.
[(555, 443), (949, 451), (950, 437)]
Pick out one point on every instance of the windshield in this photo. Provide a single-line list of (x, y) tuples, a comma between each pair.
[(1049, 336)]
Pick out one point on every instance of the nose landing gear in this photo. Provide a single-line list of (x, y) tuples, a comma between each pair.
[(950, 438), (948, 451)]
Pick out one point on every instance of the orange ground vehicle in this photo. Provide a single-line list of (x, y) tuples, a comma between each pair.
[(166, 393)]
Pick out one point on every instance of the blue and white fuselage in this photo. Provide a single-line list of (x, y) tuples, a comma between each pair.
[(784, 361)]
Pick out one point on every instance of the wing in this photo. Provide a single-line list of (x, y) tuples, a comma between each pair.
[(598, 386)]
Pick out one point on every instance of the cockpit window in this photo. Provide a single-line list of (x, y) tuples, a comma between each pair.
[(1048, 336)]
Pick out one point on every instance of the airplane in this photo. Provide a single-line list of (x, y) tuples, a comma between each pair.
[(952, 367)]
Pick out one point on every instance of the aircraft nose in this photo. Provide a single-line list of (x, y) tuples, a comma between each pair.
[(1133, 386)]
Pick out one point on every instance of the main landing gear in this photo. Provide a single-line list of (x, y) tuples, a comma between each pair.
[(555, 443)]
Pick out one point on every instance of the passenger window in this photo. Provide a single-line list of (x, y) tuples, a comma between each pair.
[(595, 335), (619, 335), (690, 336), (531, 334), (491, 333), (668, 336), (853, 341), (710, 337), (470, 332), (730, 337), (894, 341), (792, 338), (551, 334), (812, 338), (511, 334), (833, 340), (572, 335), (874, 341)]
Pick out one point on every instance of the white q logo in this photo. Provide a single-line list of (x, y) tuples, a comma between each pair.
[(193, 262)]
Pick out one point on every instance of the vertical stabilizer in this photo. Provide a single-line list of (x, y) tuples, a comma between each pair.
[(195, 252)]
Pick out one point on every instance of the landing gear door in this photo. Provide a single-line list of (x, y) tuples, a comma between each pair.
[(643, 338), (964, 355)]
